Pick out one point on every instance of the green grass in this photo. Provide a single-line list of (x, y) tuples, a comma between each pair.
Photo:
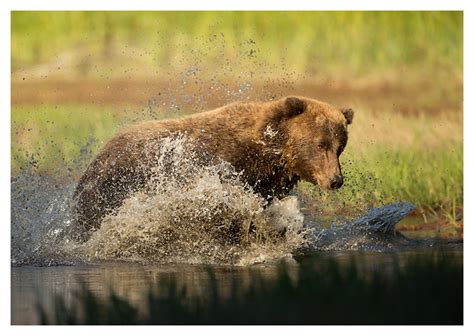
[(421, 290), (336, 44), (52, 137), (430, 178)]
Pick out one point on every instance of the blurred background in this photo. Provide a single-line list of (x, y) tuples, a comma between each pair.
[(79, 77)]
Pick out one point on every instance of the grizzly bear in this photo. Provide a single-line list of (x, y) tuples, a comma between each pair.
[(272, 144)]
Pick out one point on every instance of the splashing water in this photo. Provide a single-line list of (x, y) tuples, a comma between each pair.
[(40, 216), (194, 214), (374, 230), (197, 214)]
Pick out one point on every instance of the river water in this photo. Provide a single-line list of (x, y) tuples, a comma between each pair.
[(34, 285)]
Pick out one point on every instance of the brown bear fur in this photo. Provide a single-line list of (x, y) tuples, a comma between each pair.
[(273, 144)]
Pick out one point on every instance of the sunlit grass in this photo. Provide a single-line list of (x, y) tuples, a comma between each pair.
[(51, 137), (429, 178)]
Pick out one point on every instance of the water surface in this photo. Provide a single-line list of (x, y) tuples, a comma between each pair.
[(32, 285)]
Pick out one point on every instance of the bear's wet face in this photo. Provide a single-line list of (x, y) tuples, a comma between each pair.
[(318, 137), (324, 162)]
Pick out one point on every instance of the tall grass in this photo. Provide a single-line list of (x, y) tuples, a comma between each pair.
[(336, 44), (429, 178), (421, 291), (55, 137)]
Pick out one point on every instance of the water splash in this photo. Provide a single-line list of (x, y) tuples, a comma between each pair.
[(40, 217), (192, 214), (374, 230), (195, 213)]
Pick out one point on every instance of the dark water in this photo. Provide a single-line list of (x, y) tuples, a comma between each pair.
[(32, 285)]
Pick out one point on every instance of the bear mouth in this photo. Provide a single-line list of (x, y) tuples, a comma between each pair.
[(324, 183), (313, 179)]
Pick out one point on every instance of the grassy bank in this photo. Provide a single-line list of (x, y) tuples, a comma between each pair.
[(54, 137), (426, 290), (325, 44), (431, 178)]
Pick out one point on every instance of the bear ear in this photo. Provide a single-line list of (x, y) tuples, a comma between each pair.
[(348, 113), (294, 106)]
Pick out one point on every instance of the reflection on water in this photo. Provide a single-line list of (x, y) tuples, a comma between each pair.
[(131, 280), (33, 285)]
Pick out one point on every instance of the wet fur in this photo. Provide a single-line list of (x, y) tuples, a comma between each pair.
[(272, 143)]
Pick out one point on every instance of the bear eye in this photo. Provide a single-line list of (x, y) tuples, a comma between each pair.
[(321, 147)]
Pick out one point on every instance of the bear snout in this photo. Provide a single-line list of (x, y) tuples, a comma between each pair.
[(326, 182), (336, 182)]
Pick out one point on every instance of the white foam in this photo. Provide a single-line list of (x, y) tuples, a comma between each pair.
[(211, 217), (192, 213)]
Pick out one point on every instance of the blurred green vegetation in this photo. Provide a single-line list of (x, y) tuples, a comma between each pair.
[(49, 138), (421, 290), (334, 44)]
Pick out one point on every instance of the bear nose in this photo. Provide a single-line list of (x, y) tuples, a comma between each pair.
[(336, 182)]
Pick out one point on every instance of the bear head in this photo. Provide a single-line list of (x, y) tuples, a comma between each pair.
[(316, 137)]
